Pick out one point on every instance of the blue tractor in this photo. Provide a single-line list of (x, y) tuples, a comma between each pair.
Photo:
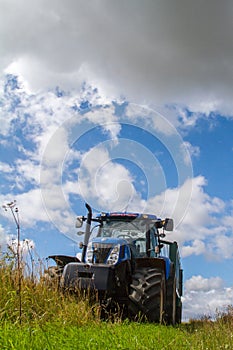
[(128, 264)]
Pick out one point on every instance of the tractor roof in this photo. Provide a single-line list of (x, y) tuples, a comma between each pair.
[(127, 216)]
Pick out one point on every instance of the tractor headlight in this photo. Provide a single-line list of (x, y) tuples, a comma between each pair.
[(114, 255), (89, 254)]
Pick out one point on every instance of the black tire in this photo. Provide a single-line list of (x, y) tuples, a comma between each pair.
[(147, 295), (178, 311), (171, 307)]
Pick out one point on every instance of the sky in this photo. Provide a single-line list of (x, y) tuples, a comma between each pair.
[(125, 105)]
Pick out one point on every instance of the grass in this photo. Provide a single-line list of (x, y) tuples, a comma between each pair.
[(101, 336), (58, 335), (50, 320)]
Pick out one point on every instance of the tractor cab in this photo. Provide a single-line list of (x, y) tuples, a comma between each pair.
[(140, 232)]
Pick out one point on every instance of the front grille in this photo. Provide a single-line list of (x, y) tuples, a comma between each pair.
[(100, 255)]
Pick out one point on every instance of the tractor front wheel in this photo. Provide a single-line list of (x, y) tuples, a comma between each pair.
[(147, 295)]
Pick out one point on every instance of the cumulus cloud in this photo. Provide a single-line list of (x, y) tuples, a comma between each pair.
[(205, 297), (202, 207), (198, 283), (200, 227), (103, 181), (197, 248), (168, 52), (30, 204)]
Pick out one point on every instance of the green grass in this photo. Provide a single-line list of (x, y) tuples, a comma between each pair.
[(50, 320), (102, 336), (57, 335)]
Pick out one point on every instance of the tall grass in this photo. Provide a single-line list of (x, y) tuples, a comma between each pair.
[(51, 320), (212, 334), (41, 301)]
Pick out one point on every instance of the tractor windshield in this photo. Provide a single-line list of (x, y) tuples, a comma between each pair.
[(138, 233), (123, 229)]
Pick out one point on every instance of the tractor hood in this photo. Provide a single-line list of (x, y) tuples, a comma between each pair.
[(108, 250)]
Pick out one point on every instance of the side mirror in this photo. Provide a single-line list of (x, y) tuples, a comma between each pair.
[(168, 225), (79, 222)]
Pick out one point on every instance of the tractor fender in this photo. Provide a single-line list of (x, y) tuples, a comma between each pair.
[(168, 264), (162, 263)]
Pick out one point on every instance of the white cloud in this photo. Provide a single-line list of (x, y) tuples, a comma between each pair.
[(228, 219), (5, 167), (199, 283), (202, 207), (206, 107), (203, 229), (34, 210), (190, 150), (150, 118), (197, 248), (31, 209), (223, 245), (27, 170), (103, 181), (58, 146), (200, 227), (205, 297), (107, 119)]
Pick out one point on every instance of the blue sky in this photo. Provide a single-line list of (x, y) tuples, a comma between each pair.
[(122, 114)]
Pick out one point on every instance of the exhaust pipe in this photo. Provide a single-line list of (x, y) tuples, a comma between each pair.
[(87, 232)]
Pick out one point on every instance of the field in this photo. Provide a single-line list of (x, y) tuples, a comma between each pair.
[(37, 316)]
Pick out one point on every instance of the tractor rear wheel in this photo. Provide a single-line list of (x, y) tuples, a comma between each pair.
[(171, 306), (178, 311), (147, 295)]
